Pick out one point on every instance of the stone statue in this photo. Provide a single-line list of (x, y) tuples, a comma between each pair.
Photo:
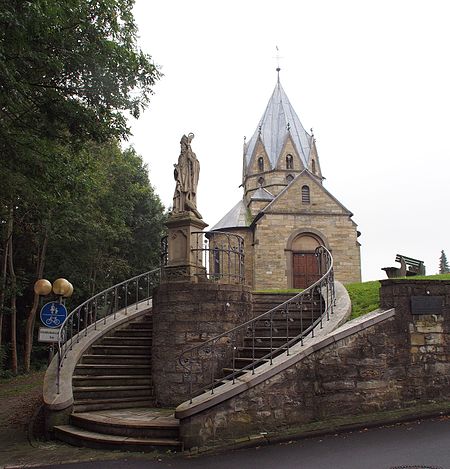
[(186, 173)]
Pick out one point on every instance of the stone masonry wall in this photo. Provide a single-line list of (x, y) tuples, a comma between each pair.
[(399, 362), (273, 231), (428, 335), (324, 215), (184, 315)]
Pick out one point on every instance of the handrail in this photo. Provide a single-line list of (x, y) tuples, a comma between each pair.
[(101, 306), (219, 256), (208, 357)]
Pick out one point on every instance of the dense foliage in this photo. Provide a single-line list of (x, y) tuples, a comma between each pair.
[(72, 203)]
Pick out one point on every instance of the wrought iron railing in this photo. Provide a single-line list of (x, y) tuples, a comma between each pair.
[(85, 317), (265, 337), (219, 256), (164, 251)]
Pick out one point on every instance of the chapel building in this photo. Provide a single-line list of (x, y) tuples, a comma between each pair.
[(286, 212)]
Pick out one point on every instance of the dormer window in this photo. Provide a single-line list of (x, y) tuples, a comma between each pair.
[(289, 162), (306, 199), (261, 163)]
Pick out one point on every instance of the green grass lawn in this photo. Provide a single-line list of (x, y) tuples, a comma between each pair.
[(366, 296)]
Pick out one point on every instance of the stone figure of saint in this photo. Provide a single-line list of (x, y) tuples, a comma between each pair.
[(186, 173)]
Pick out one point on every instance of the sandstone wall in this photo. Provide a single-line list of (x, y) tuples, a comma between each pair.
[(272, 261), (400, 362), (187, 314)]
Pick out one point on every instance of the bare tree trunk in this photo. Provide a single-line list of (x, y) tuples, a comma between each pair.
[(12, 274), (4, 274), (29, 327)]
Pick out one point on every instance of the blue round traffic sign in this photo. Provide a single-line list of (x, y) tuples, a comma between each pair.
[(53, 314)]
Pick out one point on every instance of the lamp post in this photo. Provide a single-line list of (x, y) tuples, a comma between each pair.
[(53, 313), (61, 287)]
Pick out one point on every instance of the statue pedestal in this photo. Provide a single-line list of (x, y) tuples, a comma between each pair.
[(184, 262)]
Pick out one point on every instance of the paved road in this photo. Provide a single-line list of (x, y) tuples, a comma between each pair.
[(423, 444)]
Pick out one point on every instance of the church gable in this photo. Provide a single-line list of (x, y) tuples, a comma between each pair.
[(289, 159), (306, 194), (259, 162)]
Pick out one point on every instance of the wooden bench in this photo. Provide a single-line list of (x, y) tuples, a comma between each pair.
[(408, 267)]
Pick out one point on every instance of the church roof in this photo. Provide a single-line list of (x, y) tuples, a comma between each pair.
[(278, 121), (262, 194), (235, 218)]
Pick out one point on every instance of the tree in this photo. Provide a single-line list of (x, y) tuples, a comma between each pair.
[(70, 70), (443, 264), (69, 73)]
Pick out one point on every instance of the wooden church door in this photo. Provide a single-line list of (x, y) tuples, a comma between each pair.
[(305, 269)]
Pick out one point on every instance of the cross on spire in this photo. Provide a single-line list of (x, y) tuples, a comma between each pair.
[(278, 57)]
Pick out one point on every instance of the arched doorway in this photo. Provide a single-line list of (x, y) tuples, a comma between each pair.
[(305, 268)]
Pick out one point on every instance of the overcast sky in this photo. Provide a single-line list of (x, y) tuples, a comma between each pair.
[(372, 78)]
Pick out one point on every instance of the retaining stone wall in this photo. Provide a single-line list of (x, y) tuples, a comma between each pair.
[(184, 315), (397, 363)]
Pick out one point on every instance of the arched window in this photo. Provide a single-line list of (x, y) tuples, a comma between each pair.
[(289, 178), (261, 163), (289, 162), (261, 181), (313, 166), (305, 195)]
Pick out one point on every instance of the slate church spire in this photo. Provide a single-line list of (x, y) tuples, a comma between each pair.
[(280, 144)]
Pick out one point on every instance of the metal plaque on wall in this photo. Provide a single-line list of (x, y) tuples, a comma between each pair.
[(427, 304)]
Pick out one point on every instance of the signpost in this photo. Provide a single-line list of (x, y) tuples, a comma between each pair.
[(47, 334), (53, 314)]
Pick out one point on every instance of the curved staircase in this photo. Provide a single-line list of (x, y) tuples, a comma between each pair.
[(114, 404), (103, 371), (301, 317)]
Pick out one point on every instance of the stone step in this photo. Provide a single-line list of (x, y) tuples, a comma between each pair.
[(278, 330), (106, 369), (242, 362), (89, 405), (126, 341), (160, 427), (105, 392), (228, 371), (121, 349), (305, 311), (116, 359), (139, 332), (80, 437), (259, 351), (264, 341), (142, 324), (112, 380)]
